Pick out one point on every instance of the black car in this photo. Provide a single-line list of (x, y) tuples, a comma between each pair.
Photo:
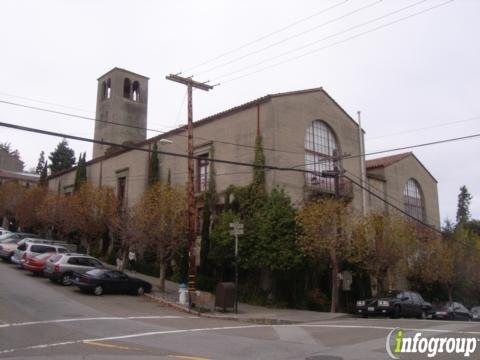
[(452, 311), (395, 303), (100, 281)]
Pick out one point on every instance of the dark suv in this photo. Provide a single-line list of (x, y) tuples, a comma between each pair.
[(62, 266), (395, 303)]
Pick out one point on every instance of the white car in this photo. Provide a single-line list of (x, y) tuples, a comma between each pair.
[(35, 247)]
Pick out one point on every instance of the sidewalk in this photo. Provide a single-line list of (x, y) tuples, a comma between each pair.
[(246, 312)]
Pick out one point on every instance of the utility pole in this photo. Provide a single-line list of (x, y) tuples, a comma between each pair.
[(192, 266), (362, 165)]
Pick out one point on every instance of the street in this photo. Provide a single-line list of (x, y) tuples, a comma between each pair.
[(40, 320)]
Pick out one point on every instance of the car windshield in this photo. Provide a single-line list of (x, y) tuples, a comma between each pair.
[(390, 294), (476, 310), (5, 237)]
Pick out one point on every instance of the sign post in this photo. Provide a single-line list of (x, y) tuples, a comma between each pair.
[(236, 229)]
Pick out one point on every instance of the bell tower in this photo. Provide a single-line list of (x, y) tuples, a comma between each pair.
[(122, 99)]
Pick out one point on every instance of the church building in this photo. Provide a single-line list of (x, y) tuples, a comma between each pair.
[(305, 129)]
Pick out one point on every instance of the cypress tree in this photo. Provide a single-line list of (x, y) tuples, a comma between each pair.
[(153, 166)]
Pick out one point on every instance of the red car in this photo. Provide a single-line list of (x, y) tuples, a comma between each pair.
[(37, 263)]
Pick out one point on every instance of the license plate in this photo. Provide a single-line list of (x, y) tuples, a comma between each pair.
[(371, 308)]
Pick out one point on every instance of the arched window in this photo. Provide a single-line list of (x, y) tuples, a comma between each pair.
[(413, 199), (109, 88), (127, 85), (136, 91), (106, 89), (320, 146)]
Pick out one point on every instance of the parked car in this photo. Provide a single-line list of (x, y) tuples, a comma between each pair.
[(475, 313), (62, 266), (452, 311), (4, 231), (9, 243), (35, 247), (395, 303), (36, 263), (100, 281)]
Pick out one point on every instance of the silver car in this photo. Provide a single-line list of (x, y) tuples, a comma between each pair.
[(62, 266), (34, 247)]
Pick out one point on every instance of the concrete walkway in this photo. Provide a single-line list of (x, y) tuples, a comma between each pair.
[(246, 312)]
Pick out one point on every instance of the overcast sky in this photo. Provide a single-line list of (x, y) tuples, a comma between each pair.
[(417, 73)]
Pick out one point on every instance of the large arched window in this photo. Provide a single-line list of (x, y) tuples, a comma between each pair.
[(413, 199), (127, 87), (320, 146)]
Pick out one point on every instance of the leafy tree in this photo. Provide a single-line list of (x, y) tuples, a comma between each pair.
[(380, 244), (27, 209), (153, 175), (11, 195), (325, 227), (463, 205), (222, 254), (8, 148), (258, 171), (81, 173), (43, 182), (41, 163), (55, 213), (160, 221), (93, 212), (62, 158)]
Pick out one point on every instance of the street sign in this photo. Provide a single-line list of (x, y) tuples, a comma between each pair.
[(347, 280), (236, 232), (236, 226)]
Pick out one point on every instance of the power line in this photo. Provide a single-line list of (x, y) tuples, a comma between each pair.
[(333, 44), (467, 137), (138, 127), (45, 102), (425, 128), (291, 37), (431, 227), (267, 167), (131, 147), (265, 36)]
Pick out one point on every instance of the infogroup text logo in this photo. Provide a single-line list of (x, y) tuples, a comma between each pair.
[(399, 343)]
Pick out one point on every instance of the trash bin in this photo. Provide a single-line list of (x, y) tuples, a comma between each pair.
[(225, 295), (183, 294)]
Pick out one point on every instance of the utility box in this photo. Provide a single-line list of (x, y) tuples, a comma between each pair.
[(225, 295)]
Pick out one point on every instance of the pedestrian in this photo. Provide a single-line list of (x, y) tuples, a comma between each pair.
[(119, 260), (132, 258)]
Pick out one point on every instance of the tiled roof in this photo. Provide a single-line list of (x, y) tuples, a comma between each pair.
[(386, 160)]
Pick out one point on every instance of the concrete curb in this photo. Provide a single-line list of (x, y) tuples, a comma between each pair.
[(263, 321)]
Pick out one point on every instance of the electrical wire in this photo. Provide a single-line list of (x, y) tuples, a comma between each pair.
[(290, 38), (264, 37), (333, 44), (46, 102)]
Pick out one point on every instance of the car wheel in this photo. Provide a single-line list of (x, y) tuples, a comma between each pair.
[(140, 291), (423, 315), (98, 290), (66, 279), (397, 311)]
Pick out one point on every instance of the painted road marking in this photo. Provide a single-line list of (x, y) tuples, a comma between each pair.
[(167, 332), (102, 344), (188, 357), (41, 322), (130, 336)]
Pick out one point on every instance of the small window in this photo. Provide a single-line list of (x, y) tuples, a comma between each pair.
[(202, 172), (121, 190), (136, 91), (127, 85), (61, 250)]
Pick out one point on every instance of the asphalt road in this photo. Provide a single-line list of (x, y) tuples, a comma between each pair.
[(42, 320)]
